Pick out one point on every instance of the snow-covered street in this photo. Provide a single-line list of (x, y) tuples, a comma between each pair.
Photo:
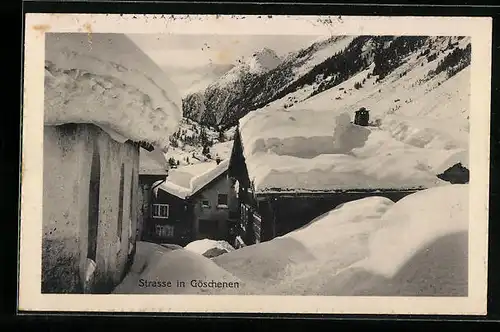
[(415, 247)]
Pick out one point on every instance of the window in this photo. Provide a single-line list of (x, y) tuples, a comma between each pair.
[(222, 201), (160, 211), (120, 204), (205, 204), (164, 230), (93, 212)]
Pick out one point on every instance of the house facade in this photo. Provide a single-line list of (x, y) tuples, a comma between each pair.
[(94, 103), (181, 215), (153, 168)]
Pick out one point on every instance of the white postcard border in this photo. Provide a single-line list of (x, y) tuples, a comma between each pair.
[(30, 297)]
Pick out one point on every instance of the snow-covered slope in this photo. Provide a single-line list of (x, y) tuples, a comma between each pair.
[(263, 61), (419, 127), (105, 79), (186, 144)]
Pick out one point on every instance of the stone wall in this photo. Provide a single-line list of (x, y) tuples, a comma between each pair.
[(73, 155)]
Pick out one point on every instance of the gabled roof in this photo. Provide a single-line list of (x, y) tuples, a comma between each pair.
[(187, 181)]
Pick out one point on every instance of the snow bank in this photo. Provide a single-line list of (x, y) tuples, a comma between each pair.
[(279, 145), (203, 246), (146, 253), (344, 223), (300, 262), (156, 263), (105, 79), (324, 49), (414, 222), (372, 246), (187, 180)]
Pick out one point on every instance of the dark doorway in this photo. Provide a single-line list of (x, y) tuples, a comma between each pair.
[(119, 226), (208, 227), (93, 216)]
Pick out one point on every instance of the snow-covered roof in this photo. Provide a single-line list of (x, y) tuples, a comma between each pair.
[(188, 180), (152, 163), (305, 150), (105, 79)]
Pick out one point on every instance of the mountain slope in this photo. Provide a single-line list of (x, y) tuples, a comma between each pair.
[(320, 67), (418, 128), (256, 82)]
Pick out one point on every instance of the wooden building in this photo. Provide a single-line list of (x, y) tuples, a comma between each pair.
[(193, 203), (265, 215), (91, 142)]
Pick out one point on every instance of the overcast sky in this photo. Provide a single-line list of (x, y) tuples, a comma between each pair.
[(189, 59)]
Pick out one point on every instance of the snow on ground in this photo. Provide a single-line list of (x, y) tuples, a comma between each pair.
[(158, 264), (370, 246), (222, 150), (324, 50), (188, 149), (203, 246), (408, 105), (416, 221), (187, 180), (263, 61), (423, 130), (88, 79)]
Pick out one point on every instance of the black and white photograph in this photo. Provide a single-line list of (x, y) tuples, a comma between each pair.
[(318, 164)]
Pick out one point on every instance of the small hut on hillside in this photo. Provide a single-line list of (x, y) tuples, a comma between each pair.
[(362, 117)]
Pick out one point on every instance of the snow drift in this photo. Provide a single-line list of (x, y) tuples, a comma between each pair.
[(156, 263), (372, 246), (414, 222), (105, 79)]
